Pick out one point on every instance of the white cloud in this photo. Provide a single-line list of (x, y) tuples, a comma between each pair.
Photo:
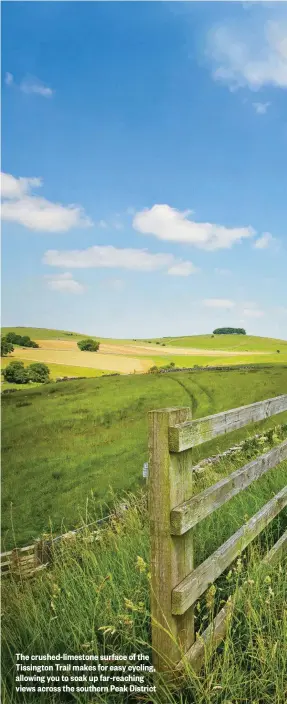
[(264, 241), (109, 257), (114, 284), (261, 108), (253, 313), (169, 224), (252, 56), (64, 283), (36, 213), (14, 188), (182, 269), (31, 85), (9, 79), (218, 303)]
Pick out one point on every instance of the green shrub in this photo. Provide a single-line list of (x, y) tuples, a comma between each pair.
[(16, 373), (6, 347), (88, 345), (24, 341), (38, 372)]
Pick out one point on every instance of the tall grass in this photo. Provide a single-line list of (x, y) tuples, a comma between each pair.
[(95, 599)]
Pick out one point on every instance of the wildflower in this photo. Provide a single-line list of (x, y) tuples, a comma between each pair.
[(141, 564), (251, 582), (267, 579), (107, 629), (271, 592), (239, 566), (209, 599)]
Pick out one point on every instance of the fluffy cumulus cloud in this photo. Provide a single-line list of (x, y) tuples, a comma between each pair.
[(266, 240), (182, 268), (65, 283), (249, 55), (22, 206), (167, 223), (109, 257)]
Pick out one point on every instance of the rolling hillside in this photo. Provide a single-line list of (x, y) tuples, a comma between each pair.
[(62, 443), (59, 349)]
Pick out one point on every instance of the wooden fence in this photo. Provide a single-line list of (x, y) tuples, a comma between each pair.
[(174, 510)]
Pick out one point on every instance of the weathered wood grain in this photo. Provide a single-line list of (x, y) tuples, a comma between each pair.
[(188, 514), (170, 478), (277, 551), (215, 633), (183, 436), (195, 584)]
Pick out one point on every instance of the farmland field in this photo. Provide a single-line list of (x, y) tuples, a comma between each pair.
[(137, 356), (63, 443)]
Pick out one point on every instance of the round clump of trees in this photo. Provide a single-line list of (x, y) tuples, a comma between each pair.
[(16, 373), (21, 340), (229, 331), (88, 345)]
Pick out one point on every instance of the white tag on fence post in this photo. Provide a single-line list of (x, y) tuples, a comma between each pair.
[(145, 470)]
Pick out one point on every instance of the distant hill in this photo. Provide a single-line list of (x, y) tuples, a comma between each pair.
[(240, 343)]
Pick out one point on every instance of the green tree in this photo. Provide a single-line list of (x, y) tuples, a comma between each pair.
[(88, 345), (24, 341), (6, 347), (38, 372), (229, 331), (16, 373)]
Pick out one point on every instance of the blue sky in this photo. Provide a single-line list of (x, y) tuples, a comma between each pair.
[(144, 167)]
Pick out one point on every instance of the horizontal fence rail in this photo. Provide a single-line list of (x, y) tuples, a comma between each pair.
[(186, 435), (191, 588), (191, 512), (174, 510)]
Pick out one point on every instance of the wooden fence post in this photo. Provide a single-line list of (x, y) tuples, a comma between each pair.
[(170, 483)]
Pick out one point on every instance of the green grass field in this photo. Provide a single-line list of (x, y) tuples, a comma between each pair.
[(242, 343), (56, 371), (51, 334), (94, 599), (70, 453), (65, 443)]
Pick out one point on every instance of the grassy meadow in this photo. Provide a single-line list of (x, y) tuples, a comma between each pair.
[(64, 444), (95, 599), (242, 343), (72, 452), (56, 371), (58, 349)]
